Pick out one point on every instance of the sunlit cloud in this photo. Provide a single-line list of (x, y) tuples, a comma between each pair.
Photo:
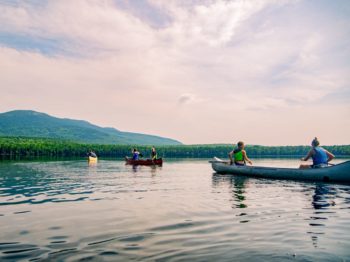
[(210, 61)]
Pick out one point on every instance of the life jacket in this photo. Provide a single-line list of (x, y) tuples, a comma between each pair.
[(320, 156), (238, 155), (154, 155)]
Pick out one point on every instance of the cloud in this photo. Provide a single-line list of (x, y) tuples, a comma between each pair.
[(87, 26), (185, 98), (189, 98), (219, 60)]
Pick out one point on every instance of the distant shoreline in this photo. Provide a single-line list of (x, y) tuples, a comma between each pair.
[(12, 147)]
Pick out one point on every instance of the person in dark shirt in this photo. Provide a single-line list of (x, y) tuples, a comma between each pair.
[(154, 154)]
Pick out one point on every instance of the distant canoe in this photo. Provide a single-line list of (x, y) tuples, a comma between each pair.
[(92, 159), (335, 173), (144, 162)]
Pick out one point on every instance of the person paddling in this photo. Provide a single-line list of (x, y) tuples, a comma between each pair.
[(154, 153), (239, 155), (320, 156), (92, 154), (135, 154)]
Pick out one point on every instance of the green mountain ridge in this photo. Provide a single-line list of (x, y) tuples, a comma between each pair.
[(28, 123)]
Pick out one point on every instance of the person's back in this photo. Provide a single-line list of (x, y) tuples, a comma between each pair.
[(239, 155), (92, 154), (135, 155), (153, 154), (319, 157)]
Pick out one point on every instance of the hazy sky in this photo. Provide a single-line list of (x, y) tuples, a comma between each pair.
[(271, 72)]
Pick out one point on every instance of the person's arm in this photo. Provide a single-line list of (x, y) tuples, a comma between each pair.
[(330, 156), (310, 154), (230, 156), (246, 157)]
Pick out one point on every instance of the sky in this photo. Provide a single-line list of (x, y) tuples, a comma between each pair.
[(268, 72)]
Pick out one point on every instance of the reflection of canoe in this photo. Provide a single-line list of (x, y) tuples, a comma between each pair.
[(92, 159), (145, 162), (335, 173)]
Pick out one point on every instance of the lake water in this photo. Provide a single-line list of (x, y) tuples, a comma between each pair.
[(69, 211)]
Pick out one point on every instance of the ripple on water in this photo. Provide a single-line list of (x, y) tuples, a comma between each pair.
[(57, 237), (109, 253), (55, 228), (24, 232), (14, 251), (102, 241), (58, 242), (22, 212), (181, 212)]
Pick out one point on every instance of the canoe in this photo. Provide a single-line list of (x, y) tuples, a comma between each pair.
[(335, 173), (144, 162), (92, 159)]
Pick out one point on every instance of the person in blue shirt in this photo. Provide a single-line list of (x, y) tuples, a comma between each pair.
[(320, 156), (136, 154)]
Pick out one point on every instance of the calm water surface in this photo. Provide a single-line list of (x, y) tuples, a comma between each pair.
[(69, 211)]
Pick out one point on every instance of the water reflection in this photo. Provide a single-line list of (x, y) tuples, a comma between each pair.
[(135, 168), (139, 168), (24, 183), (92, 163), (178, 212), (323, 197), (322, 200), (154, 170), (237, 184)]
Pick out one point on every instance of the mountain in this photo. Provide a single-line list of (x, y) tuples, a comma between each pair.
[(27, 123)]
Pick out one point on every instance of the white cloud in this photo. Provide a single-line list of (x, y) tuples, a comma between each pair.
[(221, 59)]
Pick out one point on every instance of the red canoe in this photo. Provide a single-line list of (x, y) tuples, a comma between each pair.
[(144, 162)]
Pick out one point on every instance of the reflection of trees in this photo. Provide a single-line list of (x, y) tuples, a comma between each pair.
[(322, 200), (237, 184), (24, 183), (18, 179)]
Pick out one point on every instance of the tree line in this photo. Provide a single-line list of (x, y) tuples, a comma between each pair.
[(13, 147)]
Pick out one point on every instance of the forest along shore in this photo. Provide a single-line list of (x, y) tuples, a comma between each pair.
[(13, 147)]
